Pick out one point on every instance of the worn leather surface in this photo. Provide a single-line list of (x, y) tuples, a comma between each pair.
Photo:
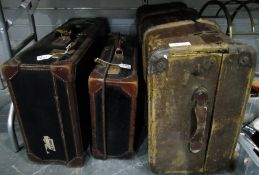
[(118, 110), (231, 98), (208, 59), (38, 112)]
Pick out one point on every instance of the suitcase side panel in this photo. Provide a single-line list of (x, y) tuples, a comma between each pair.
[(95, 86), (118, 110), (120, 106), (232, 95), (65, 113), (44, 123), (172, 120)]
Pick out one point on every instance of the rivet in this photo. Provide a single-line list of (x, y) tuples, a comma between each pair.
[(244, 61), (247, 161), (160, 65)]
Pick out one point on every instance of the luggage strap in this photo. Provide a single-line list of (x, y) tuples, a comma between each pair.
[(115, 50)]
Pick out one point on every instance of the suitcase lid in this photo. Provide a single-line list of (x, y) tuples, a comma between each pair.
[(58, 47), (174, 40), (187, 37)]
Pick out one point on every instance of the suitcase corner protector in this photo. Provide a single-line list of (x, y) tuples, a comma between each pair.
[(158, 62), (34, 158), (154, 168), (76, 162), (9, 71), (64, 72)]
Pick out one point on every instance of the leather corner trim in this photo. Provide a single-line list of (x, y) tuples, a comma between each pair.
[(34, 158), (9, 71), (65, 73), (77, 162), (98, 155), (38, 160), (94, 85)]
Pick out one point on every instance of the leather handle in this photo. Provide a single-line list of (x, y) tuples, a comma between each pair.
[(117, 42), (200, 97), (117, 47)]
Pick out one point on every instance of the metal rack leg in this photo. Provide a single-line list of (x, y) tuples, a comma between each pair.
[(4, 33), (11, 52), (32, 24), (2, 86), (11, 129)]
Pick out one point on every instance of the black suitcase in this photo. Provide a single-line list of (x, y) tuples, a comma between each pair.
[(48, 88)]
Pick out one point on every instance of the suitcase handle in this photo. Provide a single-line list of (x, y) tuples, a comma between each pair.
[(118, 53), (200, 97)]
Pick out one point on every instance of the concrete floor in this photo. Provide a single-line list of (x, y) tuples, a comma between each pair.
[(18, 164), (4, 108)]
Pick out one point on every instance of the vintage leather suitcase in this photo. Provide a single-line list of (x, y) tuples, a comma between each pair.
[(46, 83), (113, 90), (198, 82)]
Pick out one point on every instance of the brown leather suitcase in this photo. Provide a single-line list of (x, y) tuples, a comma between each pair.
[(46, 83), (198, 82), (113, 90)]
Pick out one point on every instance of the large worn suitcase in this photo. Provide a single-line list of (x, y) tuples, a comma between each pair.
[(46, 83), (198, 82), (113, 90)]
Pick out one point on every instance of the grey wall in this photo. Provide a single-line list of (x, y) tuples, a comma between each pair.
[(121, 13)]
